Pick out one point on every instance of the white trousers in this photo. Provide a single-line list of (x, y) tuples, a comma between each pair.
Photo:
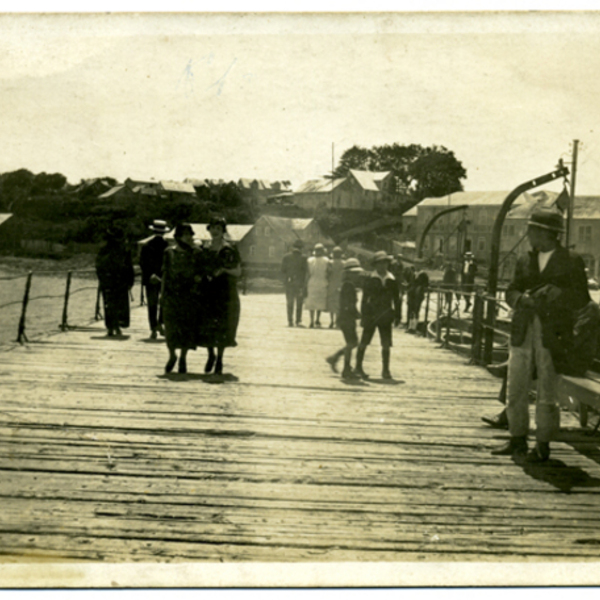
[(520, 369)]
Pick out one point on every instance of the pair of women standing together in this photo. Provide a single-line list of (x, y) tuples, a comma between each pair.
[(200, 301)]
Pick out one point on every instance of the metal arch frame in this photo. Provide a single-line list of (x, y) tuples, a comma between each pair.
[(492, 284), (431, 223)]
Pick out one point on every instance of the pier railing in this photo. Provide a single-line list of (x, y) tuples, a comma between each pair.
[(448, 323), (49, 303)]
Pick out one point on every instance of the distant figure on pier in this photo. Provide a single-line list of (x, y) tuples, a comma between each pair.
[(294, 272), (334, 284), (415, 296), (380, 309), (548, 289), (151, 260), (221, 304), (467, 278), (114, 269), (179, 296), (316, 285), (347, 316), (449, 282), (408, 277)]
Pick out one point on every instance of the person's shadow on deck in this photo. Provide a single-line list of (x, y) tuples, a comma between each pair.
[(583, 441), (558, 474), (116, 338), (210, 378)]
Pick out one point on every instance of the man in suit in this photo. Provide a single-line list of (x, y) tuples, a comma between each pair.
[(293, 269), (548, 288), (151, 259), (380, 309)]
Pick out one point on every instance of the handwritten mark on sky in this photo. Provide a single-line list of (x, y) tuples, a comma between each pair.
[(219, 83), (187, 78)]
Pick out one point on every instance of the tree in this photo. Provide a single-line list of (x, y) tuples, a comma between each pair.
[(419, 172), (44, 183)]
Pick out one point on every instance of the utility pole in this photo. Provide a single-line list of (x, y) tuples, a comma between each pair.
[(572, 198)]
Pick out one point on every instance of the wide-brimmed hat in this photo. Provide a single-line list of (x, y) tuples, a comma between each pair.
[(217, 221), (546, 218), (352, 266), (337, 251), (159, 226), (181, 228), (319, 246), (381, 255), (298, 244)]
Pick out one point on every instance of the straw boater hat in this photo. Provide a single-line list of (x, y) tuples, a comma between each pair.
[(352, 266), (381, 255), (545, 218), (159, 226), (337, 251)]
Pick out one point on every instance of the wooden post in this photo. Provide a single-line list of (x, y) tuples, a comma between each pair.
[(477, 323), (438, 323), (64, 324), (21, 337), (427, 311)]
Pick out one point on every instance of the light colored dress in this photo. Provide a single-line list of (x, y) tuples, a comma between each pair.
[(316, 299), (334, 285)]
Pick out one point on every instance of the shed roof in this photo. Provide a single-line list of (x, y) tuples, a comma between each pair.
[(178, 186), (319, 186), (235, 233), (368, 179), (472, 199), (112, 191), (5, 217)]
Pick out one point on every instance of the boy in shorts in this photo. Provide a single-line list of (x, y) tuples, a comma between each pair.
[(347, 316), (380, 310)]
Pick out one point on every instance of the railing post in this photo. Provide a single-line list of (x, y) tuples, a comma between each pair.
[(64, 324), (438, 323), (477, 329), (21, 337), (490, 323), (448, 319)]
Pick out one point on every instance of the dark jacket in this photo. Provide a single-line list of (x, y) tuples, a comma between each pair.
[(380, 302), (293, 268), (151, 258), (348, 313), (559, 292)]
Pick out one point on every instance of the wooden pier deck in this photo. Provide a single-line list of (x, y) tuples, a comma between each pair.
[(104, 458)]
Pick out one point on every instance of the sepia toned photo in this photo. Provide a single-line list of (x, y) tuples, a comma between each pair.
[(299, 300)]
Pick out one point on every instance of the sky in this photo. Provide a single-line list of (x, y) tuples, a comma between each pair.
[(273, 96)]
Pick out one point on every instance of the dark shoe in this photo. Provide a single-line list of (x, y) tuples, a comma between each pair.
[(290, 324), (317, 324), (331, 325), (499, 421), (161, 330), (540, 453), (311, 326), (210, 363), (169, 366), (118, 331), (386, 374), (299, 324), (360, 373), (349, 375), (332, 360), (182, 366), (219, 367), (110, 333), (499, 370), (516, 445), (153, 335)]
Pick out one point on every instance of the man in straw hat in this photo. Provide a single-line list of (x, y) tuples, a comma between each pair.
[(293, 270), (548, 288), (380, 309), (347, 316), (151, 259)]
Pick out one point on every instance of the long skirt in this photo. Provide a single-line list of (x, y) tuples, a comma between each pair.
[(116, 307)]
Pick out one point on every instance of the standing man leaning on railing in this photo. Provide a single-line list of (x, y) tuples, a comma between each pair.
[(547, 290), (151, 259)]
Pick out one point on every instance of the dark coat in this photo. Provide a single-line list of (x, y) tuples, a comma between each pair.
[(348, 313), (559, 292), (293, 269), (380, 302), (151, 258)]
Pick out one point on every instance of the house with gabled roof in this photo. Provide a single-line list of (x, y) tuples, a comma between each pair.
[(263, 248)]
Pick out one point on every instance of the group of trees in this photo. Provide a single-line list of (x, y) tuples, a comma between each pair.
[(420, 172), (46, 207)]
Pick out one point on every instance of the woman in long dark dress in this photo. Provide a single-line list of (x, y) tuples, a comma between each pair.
[(114, 269), (179, 296), (221, 302)]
